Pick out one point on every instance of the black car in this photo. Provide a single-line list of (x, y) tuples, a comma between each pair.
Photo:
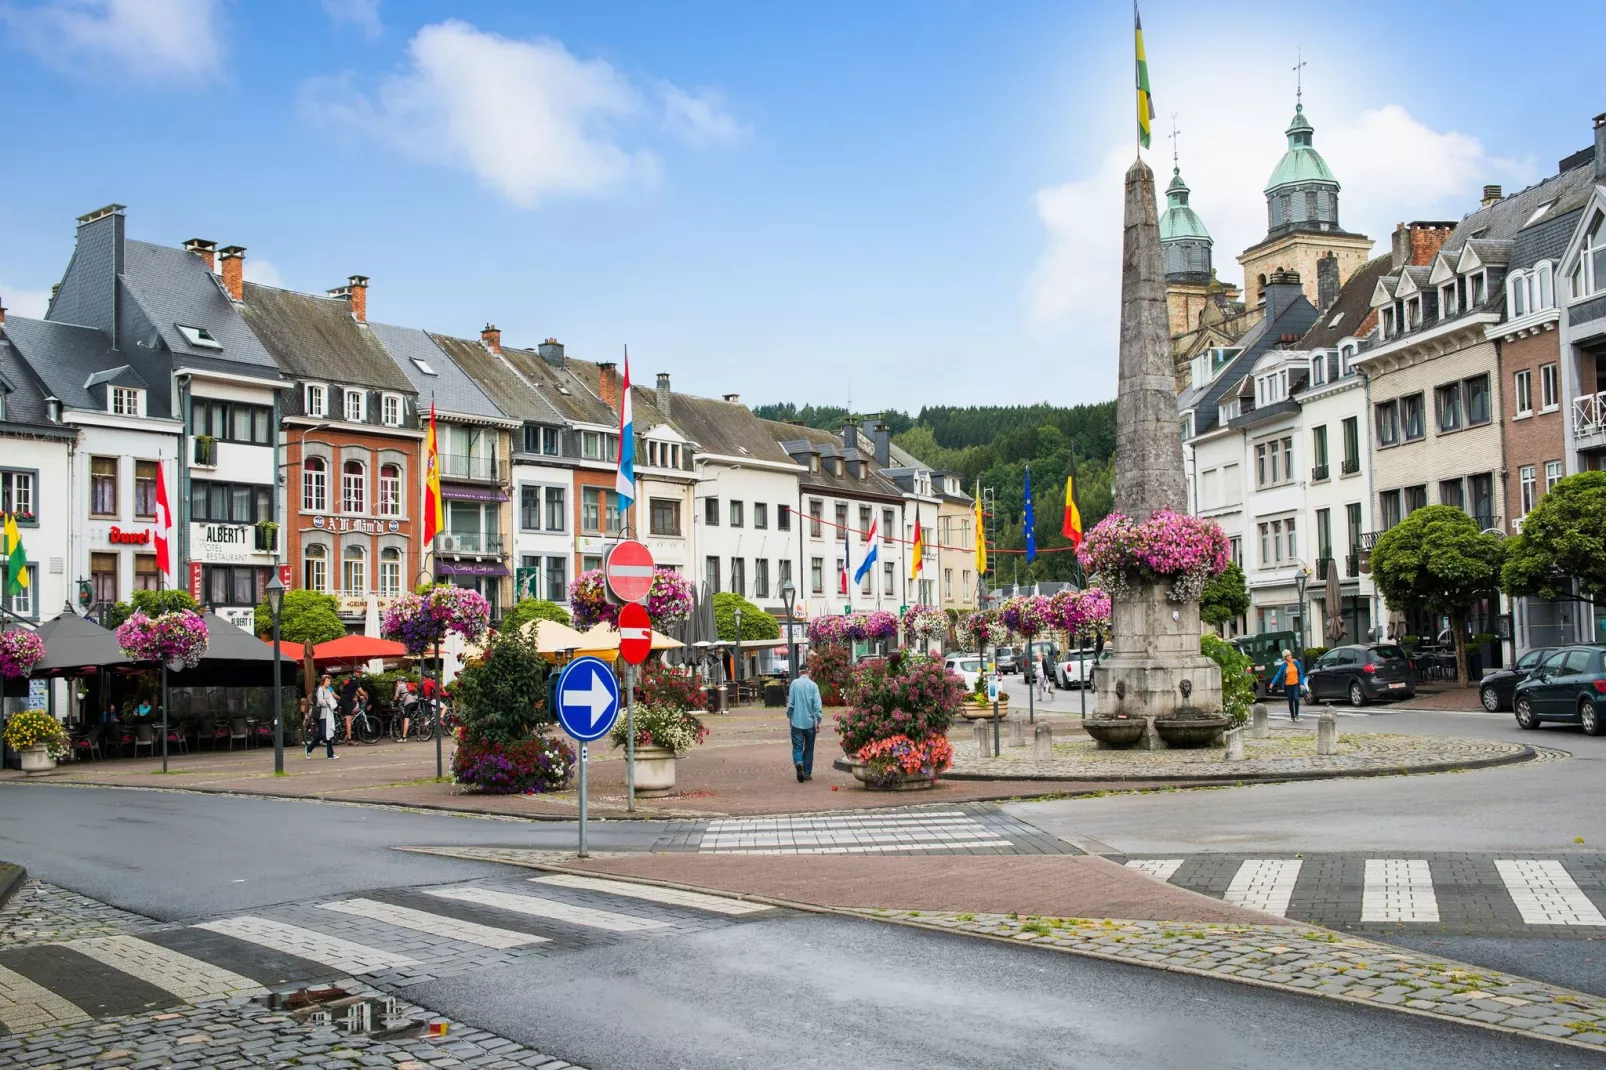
[(1497, 688), (1362, 674), (1565, 686)]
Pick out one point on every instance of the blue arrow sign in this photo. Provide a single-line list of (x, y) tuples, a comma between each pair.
[(588, 699)]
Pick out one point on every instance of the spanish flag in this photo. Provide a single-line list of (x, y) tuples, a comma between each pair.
[(917, 555), (434, 512), (16, 559), (1073, 517), (981, 538), (1145, 99)]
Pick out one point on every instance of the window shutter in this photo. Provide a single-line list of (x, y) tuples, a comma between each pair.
[(335, 403), (375, 413)]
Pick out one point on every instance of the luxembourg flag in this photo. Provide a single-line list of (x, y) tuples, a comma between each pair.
[(869, 555), (624, 484)]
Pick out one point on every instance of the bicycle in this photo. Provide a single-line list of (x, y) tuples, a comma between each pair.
[(416, 718), (365, 727)]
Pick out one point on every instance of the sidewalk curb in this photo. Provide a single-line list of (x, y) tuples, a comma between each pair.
[(11, 878)]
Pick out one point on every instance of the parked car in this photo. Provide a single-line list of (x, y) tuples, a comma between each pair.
[(1565, 686), (1007, 661), (1265, 654), (1499, 686), (1362, 674), (1075, 669), (965, 666)]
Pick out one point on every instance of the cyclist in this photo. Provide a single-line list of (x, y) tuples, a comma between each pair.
[(404, 701)]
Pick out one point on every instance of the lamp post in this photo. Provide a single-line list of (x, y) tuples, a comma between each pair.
[(275, 593), (736, 659), (1301, 580), (787, 591)]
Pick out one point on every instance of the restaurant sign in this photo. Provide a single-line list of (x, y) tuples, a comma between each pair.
[(358, 524), (223, 544)]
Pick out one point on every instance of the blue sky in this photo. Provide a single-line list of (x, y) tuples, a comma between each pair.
[(917, 203)]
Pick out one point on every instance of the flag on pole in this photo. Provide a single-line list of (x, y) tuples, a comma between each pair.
[(1031, 520), (164, 523), (917, 555), (1072, 528), (847, 558), (981, 537), (869, 555), (434, 512), (1145, 99), (624, 483), (16, 559)]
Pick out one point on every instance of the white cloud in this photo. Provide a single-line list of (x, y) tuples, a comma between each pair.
[(149, 40), (526, 117), (700, 118), (363, 14), (28, 303), (262, 271)]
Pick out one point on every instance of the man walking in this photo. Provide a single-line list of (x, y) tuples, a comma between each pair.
[(803, 710)]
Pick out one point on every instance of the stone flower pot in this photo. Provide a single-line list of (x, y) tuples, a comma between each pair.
[(903, 782), (655, 771), (36, 760), (1188, 732), (983, 711), (1117, 732)]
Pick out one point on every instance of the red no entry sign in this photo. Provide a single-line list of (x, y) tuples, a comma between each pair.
[(629, 571), (635, 633)]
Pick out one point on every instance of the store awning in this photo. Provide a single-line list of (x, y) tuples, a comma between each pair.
[(472, 494), (470, 568)]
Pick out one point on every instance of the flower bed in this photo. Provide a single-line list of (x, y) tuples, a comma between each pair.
[(891, 761), (19, 652), (422, 619), (1173, 548), (176, 636), (528, 767), (899, 696), (36, 728), (666, 685), (670, 727), (831, 669)]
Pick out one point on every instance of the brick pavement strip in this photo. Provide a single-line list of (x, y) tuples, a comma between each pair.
[(1305, 959)]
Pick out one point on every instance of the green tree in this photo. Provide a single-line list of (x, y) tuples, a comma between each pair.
[(1237, 676), (1563, 543), (150, 603), (501, 697), (1225, 598), (308, 617), (756, 624), (1438, 560), (529, 609)]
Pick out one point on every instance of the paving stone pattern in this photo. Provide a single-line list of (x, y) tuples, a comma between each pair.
[(42, 913), (1481, 894), (1310, 960)]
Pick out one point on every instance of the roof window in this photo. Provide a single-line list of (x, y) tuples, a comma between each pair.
[(1335, 320), (423, 366), (199, 337), (1541, 210)]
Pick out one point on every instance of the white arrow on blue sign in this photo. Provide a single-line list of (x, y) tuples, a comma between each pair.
[(588, 699)]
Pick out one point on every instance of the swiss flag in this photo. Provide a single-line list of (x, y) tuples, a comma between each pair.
[(164, 522)]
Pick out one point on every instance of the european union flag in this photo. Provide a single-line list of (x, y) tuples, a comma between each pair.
[(1031, 521)]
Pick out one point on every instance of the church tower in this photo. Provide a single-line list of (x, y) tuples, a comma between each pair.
[(1302, 225), (1185, 246)]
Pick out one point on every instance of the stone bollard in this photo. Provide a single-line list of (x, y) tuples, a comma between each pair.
[(983, 731), (1327, 733), (1234, 738), (1017, 733), (1043, 744), (1260, 727)]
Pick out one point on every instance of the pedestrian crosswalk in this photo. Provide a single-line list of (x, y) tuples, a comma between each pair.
[(1465, 893), (909, 831), (379, 938)]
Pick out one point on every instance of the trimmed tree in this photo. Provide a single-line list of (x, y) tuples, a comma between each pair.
[(308, 618), (1226, 597), (1563, 543), (1438, 560), (756, 624)]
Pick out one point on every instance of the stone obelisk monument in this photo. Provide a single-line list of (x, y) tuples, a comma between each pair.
[(1156, 669)]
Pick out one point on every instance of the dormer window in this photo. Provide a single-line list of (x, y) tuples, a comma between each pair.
[(1388, 323), (1590, 274), (1347, 356), (1517, 294), (1318, 370), (317, 399), (356, 402), (393, 408), (1447, 301), (1477, 289), (199, 337), (1413, 313), (663, 454), (1544, 294), (127, 401)]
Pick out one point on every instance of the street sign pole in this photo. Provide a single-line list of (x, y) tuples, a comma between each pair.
[(630, 738), (582, 851), (588, 706), (635, 643)]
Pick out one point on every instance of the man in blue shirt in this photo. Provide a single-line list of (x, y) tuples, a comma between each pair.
[(803, 710)]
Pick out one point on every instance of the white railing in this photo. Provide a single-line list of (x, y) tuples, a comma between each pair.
[(1589, 415)]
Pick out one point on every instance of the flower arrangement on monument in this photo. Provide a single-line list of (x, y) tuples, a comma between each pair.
[(423, 618), (177, 636), (19, 652), (1184, 551)]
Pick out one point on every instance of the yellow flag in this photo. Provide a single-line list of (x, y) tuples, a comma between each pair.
[(917, 554), (16, 559), (981, 537)]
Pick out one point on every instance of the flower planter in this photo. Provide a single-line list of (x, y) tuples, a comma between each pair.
[(1189, 732), (1116, 732), (983, 711), (655, 771), (902, 782), (36, 761)]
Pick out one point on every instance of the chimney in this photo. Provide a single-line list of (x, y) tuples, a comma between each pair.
[(491, 338), (881, 435), (1491, 195), (234, 270), (206, 250), (1282, 289), (664, 398), (1600, 147), (355, 291), (551, 351), (1327, 285), (734, 399), (850, 433), (2, 313), (608, 384), (1417, 243), (100, 213)]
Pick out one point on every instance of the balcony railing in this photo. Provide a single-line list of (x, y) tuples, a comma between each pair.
[(1369, 539), (205, 451), (473, 466), (1350, 466), (1589, 415), (1318, 473), (1487, 521), (473, 542), (1352, 565), (1322, 565)]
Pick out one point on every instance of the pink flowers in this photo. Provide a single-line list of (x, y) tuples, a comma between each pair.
[(980, 628), (889, 760), (852, 628), (419, 620), (1081, 612), (1027, 614), (176, 636), (19, 651), (668, 599), (922, 622), (1174, 547)]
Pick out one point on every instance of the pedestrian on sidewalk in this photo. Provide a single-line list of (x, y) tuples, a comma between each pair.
[(803, 711), (1044, 678), (323, 719), (1293, 683), (403, 700)]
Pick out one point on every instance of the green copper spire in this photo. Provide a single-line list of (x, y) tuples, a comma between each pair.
[(1301, 163), (1180, 220)]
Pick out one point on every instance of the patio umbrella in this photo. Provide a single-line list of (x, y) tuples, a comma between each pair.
[(229, 642), (1335, 606), (349, 649), (73, 644), (660, 641), (552, 637)]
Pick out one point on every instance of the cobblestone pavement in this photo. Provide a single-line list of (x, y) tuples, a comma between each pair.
[(1309, 960), (1465, 893), (43, 914), (1289, 752)]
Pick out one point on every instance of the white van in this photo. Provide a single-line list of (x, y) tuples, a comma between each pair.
[(965, 666)]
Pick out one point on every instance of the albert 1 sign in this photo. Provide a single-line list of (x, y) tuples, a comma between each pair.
[(588, 704), (628, 570)]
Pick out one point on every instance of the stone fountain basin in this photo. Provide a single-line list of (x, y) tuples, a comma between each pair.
[(1196, 731), (1118, 732)]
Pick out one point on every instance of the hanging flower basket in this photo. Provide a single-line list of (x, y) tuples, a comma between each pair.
[(1173, 548), (669, 598), (1081, 613), (588, 601), (19, 652), (980, 628), (176, 636), (1027, 614), (879, 624), (925, 623), (827, 631), (420, 620)]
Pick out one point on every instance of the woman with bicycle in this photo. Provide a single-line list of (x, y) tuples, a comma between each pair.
[(323, 720)]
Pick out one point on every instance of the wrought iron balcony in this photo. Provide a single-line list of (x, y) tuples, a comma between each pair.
[(1318, 474), (1352, 565), (1322, 565), (1350, 466)]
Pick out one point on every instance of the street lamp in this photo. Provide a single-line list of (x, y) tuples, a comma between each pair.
[(275, 592), (787, 591), (736, 660), (1301, 580)]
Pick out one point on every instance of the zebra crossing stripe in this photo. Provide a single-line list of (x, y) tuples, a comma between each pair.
[(552, 909), (744, 824), (1546, 894), (854, 849), (190, 979), (1398, 889), (1265, 884), (436, 924), (26, 1006), (672, 896), (1161, 868), (343, 955)]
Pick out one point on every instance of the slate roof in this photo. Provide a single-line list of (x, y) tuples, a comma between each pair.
[(497, 380), (24, 395), (1297, 319), (1505, 218), (1547, 236), (449, 388), (574, 390), (66, 357), (314, 337), (1352, 310), (174, 287), (795, 438), (727, 428)]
